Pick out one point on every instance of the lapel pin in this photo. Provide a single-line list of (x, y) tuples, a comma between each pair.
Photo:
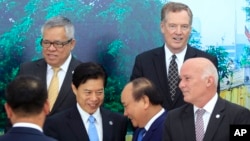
[(217, 116), (110, 123)]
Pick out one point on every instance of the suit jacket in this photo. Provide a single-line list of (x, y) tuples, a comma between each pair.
[(155, 132), (24, 134), (152, 65), (179, 124), (68, 126), (66, 97)]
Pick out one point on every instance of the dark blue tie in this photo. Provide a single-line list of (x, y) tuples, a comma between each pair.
[(141, 134), (93, 136)]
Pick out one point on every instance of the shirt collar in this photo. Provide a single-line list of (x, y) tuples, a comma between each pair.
[(210, 105), (85, 115), (150, 122), (65, 65), (179, 56), (26, 124)]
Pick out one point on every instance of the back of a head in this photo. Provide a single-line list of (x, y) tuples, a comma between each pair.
[(86, 71), (60, 21), (26, 95), (175, 7), (143, 86)]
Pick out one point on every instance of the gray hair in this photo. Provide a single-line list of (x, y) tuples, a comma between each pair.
[(60, 21), (175, 7)]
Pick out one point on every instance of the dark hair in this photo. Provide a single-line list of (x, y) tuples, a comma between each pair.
[(26, 95), (86, 71), (175, 7), (142, 86)]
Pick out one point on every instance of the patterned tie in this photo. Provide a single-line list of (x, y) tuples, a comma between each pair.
[(173, 77), (141, 134), (199, 125), (53, 88), (93, 136)]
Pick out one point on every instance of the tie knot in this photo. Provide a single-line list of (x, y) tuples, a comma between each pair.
[(143, 131), (174, 57), (200, 111), (56, 69), (91, 119)]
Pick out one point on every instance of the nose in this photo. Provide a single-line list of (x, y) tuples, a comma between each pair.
[(181, 84), (125, 113), (93, 97), (178, 30), (51, 47)]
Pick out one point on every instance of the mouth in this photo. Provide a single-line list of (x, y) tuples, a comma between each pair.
[(51, 56), (178, 39), (93, 106)]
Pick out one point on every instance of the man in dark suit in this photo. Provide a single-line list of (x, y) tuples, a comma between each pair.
[(142, 105), (176, 22), (199, 80), (26, 107), (57, 43), (88, 83)]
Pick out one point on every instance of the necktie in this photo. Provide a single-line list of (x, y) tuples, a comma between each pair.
[(173, 77), (199, 125), (141, 134), (93, 136), (53, 88)]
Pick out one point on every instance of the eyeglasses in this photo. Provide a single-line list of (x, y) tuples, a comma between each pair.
[(56, 44)]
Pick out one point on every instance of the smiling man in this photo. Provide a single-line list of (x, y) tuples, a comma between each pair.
[(142, 105), (156, 64), (88, 83), (57, 42)]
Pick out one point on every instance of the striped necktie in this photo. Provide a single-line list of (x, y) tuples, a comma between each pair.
[(199, 125)]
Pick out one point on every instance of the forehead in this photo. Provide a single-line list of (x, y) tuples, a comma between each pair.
[(54, 32), (178, 17), (92, 84), (127, 93), (188, 68)]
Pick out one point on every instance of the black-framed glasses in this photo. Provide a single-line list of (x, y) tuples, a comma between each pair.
[(56, 44)]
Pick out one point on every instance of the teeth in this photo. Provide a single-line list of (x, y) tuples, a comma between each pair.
[(178, 38), (92, 105)]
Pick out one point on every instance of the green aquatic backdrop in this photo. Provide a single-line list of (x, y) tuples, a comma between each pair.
[(110, 32)]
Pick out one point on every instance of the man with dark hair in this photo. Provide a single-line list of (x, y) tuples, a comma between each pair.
[(142, 105), (87, 117), (26, 107)]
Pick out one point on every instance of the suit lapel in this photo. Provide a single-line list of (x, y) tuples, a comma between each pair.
[(215, 120), (76, 125), (154, 126), (159, 62), (107, 125), (41, 71), (187, 120), (66, 86), (191, 53)]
